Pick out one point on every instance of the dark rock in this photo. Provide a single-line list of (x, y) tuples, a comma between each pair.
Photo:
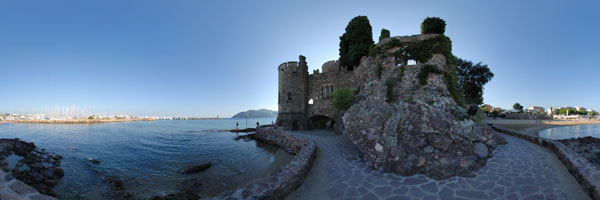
[(588, 147), (196, 168), (94, 161), (480, 150), (500, 140), (115, 182), (37, 168), (59, 172), (473, 110), (439, 141)]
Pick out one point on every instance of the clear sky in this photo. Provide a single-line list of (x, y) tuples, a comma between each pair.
[(208, 58)]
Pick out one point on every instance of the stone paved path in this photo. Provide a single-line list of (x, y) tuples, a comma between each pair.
[(518, 170), (15, 189)]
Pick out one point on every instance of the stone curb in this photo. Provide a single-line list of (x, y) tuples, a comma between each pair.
[(286, 179), (584, 172)]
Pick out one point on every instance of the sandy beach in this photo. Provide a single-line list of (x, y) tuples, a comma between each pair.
[(532, 127)]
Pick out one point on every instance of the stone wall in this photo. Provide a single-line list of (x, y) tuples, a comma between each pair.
[(585, 172), (317, 83), (285, 180)]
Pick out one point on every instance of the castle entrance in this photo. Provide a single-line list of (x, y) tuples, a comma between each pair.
[(321, 122)]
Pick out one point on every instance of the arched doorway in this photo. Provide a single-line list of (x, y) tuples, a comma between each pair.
[(321, 122)]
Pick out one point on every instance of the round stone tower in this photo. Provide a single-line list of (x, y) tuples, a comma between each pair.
[(293, 95)]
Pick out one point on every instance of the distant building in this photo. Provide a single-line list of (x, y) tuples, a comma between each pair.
[(489, 108), (579, 108), (536, 109)]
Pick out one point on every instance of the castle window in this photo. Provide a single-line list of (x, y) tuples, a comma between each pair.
[(294, 73), (289, 96), (411, 62), (310, 102)]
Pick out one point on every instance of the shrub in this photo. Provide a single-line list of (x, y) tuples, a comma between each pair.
[(373, 51), (471, 79), (355, 42), (390, 91), (91, 117), (517, 106), (433, 25), (425, 71), (384, 34), (451, 79), (379, 70), (342, 99), (422, 50)]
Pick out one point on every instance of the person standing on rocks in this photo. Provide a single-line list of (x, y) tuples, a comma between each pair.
[(257, 124), (237, 125)]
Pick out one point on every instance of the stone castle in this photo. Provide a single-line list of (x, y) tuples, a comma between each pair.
[(305, 99)]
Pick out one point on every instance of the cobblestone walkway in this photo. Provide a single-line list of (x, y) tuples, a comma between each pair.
[(17, 190), (518, 170)]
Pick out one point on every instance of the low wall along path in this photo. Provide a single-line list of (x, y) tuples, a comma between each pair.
[(585, 172)]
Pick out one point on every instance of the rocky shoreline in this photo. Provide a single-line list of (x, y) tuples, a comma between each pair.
[(588, 147), (24, 162)]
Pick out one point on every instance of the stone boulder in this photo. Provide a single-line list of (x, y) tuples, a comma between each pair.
[(420, 130), (196, 168)]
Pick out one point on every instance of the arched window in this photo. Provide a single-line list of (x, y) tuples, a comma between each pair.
[(289, 96), (310, 102)]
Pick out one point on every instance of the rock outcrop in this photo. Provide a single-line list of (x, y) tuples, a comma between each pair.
[(24, 162), (401, 125)]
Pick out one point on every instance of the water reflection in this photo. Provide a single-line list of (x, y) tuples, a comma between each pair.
[(567, 132), (147, 155)]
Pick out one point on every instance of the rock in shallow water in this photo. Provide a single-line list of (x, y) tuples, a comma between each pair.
[(196, 168)]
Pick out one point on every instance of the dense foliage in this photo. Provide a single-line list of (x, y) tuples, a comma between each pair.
[(390, 91), (471, 78), (355, 42), (569, 111), (433, 25), (342, 99), (425, 71), (451, 78), (518, 106), (384, 34), (420, 50)]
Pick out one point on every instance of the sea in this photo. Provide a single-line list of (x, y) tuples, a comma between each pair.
[(147, 155), (568, 132)]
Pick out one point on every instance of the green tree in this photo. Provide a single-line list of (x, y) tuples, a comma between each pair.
[(433, 25), (342, 99), (517, 106), (471, 78), (384, 34), (355, 42), (91, 117)]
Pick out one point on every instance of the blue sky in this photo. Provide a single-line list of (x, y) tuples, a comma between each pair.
[(208, 58)]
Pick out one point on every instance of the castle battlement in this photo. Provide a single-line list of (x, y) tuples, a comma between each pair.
[(288, 64)]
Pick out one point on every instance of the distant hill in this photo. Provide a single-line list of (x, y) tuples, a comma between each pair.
[(262, 113)]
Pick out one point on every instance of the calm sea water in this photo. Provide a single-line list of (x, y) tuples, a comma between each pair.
[(147, 155), (567, 132)]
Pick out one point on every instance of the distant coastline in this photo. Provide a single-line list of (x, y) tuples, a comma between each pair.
[(262, 113), (75, 121)]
